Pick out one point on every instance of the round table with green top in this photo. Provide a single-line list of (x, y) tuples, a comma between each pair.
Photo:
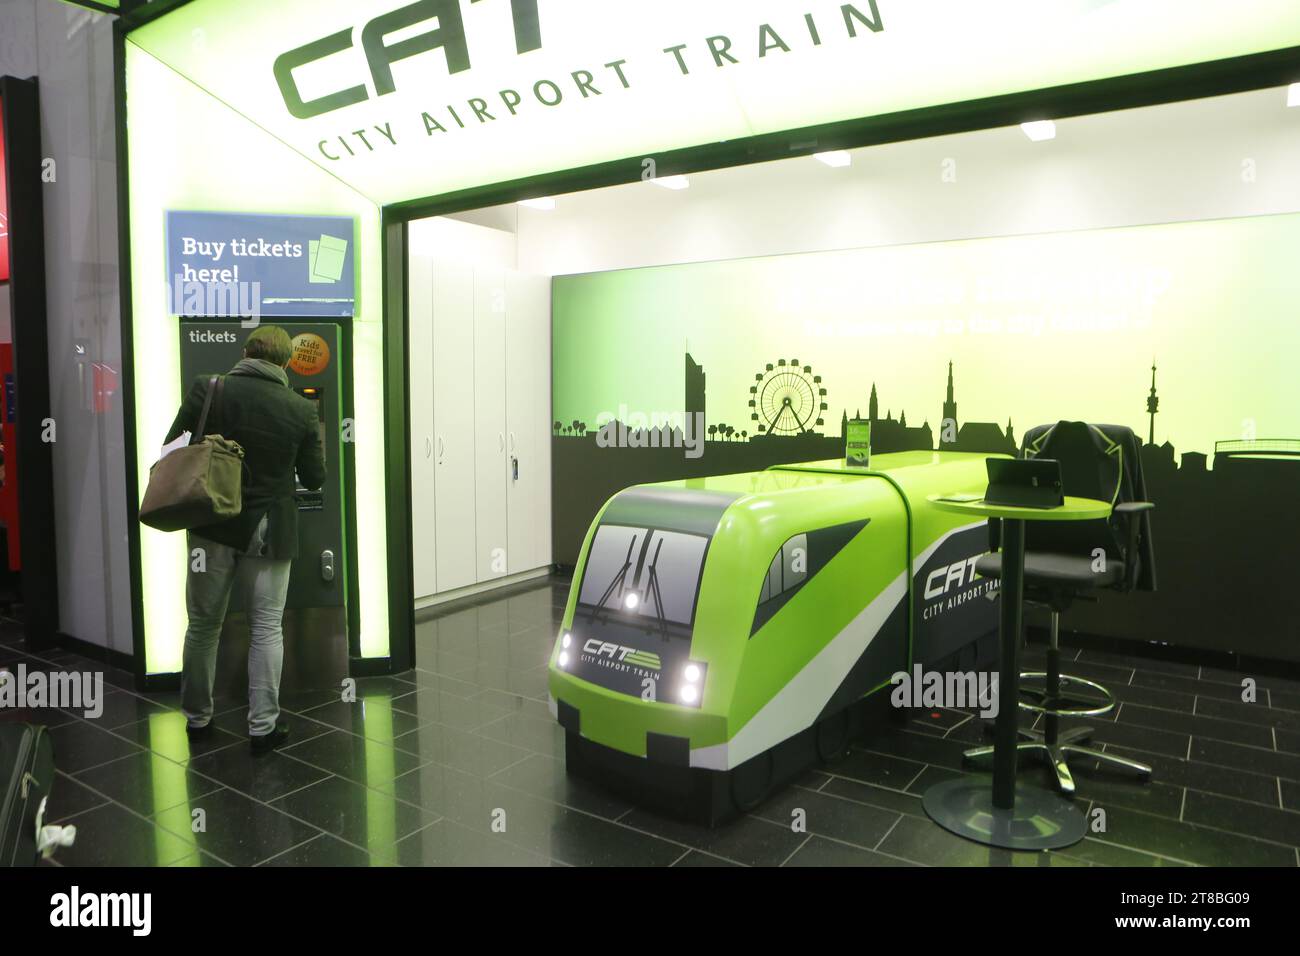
[(1002, 812)]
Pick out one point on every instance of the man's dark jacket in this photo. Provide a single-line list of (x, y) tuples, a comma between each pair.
[(279, 432)]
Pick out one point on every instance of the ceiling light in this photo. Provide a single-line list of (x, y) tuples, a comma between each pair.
[(672, 182), (836, 158), (631, 601), (1293, 95), (1040, 130), (546, 203)]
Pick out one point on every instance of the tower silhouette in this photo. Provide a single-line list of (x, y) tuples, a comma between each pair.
[(1153, 405), (695, 387), (873, 406), (949, 413)]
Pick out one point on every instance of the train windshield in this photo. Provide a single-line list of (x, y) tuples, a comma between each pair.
[(644, 576)]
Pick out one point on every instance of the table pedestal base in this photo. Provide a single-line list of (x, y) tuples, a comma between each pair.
[(1041, 820)]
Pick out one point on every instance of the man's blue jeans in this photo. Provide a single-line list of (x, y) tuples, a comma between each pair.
[(264, 584)]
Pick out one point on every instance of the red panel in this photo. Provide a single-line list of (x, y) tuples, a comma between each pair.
[(9, 515), (105, 383), (4, 207)]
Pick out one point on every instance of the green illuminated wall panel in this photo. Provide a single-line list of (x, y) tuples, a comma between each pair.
[(189, 151)]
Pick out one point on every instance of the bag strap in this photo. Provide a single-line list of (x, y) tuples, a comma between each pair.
[(219, 401), (197, 435)]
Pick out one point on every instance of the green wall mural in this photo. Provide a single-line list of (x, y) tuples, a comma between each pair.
[(1037, 328), (1186, 333)]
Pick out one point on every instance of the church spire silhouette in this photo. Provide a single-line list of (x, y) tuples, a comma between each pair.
[(1153, 405), (949, 411)]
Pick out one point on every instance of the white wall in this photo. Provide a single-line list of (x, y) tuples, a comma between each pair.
[(452, 240), (69, 50), (1223, 157)]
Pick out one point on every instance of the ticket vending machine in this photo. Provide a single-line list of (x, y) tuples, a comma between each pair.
[(319, 621)]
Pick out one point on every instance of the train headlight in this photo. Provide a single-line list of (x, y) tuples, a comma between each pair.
[(566, 640), (563, 660), (690, 688)]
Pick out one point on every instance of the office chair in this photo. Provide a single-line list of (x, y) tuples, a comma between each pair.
[(1067, 561)]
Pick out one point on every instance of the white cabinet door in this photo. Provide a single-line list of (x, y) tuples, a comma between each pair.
[(528, 419), (490, 423), (424, 559), (453, 423)]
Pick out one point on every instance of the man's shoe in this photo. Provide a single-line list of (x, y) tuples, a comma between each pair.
[(268, 742), (199, 733)]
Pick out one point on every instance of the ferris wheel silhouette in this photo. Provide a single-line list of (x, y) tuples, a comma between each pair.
[(787, 398)]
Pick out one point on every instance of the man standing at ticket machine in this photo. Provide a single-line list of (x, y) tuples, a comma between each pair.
[(278, 430)]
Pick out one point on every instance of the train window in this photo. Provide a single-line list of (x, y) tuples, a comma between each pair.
[(795, 563), (676, 559), (646, 573), (613, 546), (788, 570)]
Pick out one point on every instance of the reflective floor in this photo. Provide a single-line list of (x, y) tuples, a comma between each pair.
[(458, 762)]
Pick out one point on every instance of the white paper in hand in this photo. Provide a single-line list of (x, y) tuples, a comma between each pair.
[(180, 442)]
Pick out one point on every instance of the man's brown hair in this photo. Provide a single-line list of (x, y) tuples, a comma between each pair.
[(269, 343)]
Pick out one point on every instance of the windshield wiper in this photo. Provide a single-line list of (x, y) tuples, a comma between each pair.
[(619, 577), (652, 586)]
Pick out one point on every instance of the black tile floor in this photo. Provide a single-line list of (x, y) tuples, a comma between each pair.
[(426, 766)]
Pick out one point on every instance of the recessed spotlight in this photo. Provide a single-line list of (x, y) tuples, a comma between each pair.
[(1040, 130), (546, 203), (631, 601), (672, 182), (1293, 95), (836, 158)]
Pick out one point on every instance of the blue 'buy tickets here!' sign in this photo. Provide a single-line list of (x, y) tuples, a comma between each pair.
[(225, 265)]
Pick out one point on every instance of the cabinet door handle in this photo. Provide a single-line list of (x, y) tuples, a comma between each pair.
[(501, 441), (512, 443), (441, 447), (428, 447)]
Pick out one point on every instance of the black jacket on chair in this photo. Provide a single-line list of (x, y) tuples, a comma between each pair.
[(279, 432), (1089, 455)]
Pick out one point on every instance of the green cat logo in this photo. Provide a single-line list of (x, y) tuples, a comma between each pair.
[(448, 36), (622, 654)]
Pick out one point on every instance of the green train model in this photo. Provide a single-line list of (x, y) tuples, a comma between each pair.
[(723, 634)]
